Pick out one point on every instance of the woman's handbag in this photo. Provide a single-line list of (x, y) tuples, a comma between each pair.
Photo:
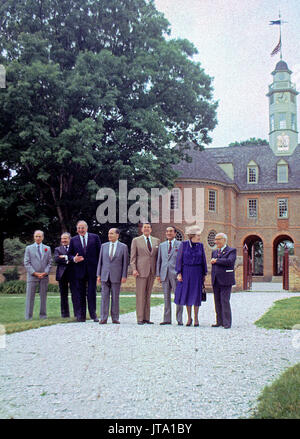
[(203, 298)]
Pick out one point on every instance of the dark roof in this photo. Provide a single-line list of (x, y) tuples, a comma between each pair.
[(204, 165), (281, 65)]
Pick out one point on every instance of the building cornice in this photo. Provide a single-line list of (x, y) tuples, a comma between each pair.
[(234, 186)]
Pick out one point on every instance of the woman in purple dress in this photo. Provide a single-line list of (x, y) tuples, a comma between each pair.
[(191, 270)]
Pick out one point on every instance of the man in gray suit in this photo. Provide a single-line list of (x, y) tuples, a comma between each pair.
[(165, 271), (112, 270), (37, 261)]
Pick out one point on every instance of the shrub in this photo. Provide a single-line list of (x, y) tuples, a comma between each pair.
[(13, 287), (11, 274)]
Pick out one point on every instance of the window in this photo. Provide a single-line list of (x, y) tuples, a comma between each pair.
[(179, 235), (252, 174), (293, 121), (282, 121), (211, 238), (282, 205), (212, 201), (272, 122), (282, 173), (252, 208), (174, 199)]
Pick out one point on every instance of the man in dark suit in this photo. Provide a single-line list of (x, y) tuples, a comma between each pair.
[(84, 251), (64, 275), (222, 277)]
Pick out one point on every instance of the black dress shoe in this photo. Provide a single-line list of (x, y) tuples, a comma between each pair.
[(116, 321), (189, 324), (226, 327), (216, 325), (140, 323), (180, 324), (80, 320), (96, 320), (148, 322), (196, 324), (102, 322), (165, 323)]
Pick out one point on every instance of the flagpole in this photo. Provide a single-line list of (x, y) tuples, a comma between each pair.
[(280, 35)]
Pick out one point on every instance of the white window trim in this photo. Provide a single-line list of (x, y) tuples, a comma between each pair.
[(287, 206)]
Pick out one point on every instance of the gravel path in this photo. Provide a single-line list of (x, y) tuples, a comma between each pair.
[(84, 370)]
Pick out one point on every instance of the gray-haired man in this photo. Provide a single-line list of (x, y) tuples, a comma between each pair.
[(37, 261), (165, 271), (111, 271), (222, 279)]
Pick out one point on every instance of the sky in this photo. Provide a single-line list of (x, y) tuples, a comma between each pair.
[(234, 41)]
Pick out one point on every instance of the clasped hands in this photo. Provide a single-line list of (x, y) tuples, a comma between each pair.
[(40, 275)]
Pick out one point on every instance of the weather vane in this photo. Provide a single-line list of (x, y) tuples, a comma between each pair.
[(278, 48)]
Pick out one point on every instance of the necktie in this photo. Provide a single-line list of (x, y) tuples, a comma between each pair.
[(170, 247), (219, 253), (84, 244), (39, 251), (149, 245), (66, 247), (111, 252)]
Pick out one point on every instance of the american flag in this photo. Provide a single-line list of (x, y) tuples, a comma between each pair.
[(277, 48)]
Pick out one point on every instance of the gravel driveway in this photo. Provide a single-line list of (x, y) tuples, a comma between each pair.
[(87, 370)]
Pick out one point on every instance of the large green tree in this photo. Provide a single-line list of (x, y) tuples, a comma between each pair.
[(96, 92)]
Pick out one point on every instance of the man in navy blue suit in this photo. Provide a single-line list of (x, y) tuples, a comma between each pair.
[(222, 278), (84, 251)]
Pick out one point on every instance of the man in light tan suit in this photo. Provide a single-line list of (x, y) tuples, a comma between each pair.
[(144, 251)]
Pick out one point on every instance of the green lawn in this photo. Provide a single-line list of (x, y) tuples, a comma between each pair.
[(12, 308), (281, 400), (284, 314)]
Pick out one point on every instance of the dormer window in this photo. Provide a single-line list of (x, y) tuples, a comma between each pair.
[(252, 172), (282, 172)]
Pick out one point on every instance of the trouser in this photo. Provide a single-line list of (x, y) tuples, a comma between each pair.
[(143, 296), (42, 285), (86, 292), (222, 303), (169, 285), (110, 289), (64, 286)]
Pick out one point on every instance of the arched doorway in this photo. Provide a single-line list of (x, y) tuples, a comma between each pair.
[(278, 251), (256, 253)]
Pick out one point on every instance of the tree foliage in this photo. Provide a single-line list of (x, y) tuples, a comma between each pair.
[(252, 141), (96, 92)]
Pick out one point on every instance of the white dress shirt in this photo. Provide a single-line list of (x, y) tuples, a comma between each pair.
[(114, 248)]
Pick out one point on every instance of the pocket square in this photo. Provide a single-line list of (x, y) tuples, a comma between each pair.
[(229, 271)]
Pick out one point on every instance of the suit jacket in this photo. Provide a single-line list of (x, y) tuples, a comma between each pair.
[(223, 269), (166, 261), (116, 268), (91, 257), (63, 266), (141, 259), (33, 263)]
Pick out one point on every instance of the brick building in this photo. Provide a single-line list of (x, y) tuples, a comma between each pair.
[(252, 193)]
